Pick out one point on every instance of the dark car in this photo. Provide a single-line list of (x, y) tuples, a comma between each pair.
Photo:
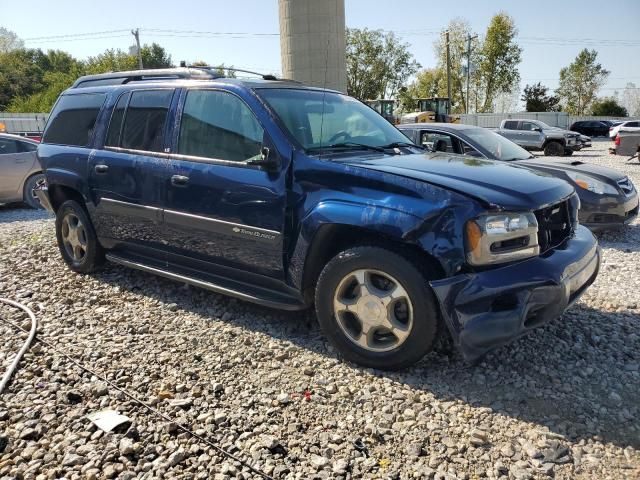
[(591, 128), (608, 199), (291, 196)]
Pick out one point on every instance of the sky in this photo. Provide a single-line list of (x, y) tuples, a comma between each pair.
[(551, 33)]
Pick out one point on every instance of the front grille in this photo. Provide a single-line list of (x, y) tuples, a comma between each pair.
[(555, 224), (626, 185)]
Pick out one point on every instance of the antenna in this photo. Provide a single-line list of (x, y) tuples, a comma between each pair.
[(324, 90)]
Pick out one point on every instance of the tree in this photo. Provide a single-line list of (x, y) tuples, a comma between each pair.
[(430, 82), (20, 74), (499, 59), (580, 82), (631, 99), (608, 107), (536, 99), (459, 29), (9, 41), (154, 56), (378, 64)]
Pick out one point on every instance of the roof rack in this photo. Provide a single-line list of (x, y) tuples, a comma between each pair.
[(119, 78), (217, 68)]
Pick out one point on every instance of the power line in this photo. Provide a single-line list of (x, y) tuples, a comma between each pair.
[(88, 34)]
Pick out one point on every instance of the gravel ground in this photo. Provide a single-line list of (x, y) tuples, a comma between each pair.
[(562, 402)]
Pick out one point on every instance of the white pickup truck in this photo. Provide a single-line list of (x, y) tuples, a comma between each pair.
[(537, 135)]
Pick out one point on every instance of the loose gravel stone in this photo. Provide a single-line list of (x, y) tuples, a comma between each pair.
[(561, 402)]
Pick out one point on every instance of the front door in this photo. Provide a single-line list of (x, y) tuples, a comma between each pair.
[(530, 136), (127, 177), (219, 209), (15, 162)]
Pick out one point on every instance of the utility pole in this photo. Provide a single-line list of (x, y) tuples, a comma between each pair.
[(136, 33), (446, 34), (469, 38)]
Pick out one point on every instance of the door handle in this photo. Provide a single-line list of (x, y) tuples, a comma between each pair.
[(179, 180), (101, 168)]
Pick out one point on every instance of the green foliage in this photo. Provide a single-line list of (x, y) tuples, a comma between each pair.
[(580, 82), (608, 107), (31, 80), (459, 29), (499, 59), (430, 82), (536, 99), (378, 64)]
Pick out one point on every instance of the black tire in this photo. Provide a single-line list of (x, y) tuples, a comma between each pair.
[(423, 308), (87, 258), (28, 194), (553, 149), (568, 152)]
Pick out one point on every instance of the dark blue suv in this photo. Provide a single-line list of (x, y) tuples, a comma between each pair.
[(290, 196)]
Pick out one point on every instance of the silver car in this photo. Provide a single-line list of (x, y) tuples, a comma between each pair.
[(20, 172)]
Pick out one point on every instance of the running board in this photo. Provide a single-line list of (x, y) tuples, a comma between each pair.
[(268, 299)]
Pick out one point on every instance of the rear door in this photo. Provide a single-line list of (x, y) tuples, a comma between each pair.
[(127, 176), (510, 130), (220, 209)]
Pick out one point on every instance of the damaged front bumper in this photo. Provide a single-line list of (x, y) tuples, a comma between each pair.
[(487, 309), (42, 192)]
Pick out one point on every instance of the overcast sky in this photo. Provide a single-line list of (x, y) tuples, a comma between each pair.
[(551, 33)]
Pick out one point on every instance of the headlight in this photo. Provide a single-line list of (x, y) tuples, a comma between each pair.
[(501, 237), (592, 184)]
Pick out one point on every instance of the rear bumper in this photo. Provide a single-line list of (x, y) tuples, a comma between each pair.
[(602, 212), (43, 195), (488, 309)]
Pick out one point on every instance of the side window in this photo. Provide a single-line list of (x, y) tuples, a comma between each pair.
[(528, 126), (219, 125), (8, 146), (438, 142), (511, 125), (115, 125), (145, 119), (27, 147), (72, 120)]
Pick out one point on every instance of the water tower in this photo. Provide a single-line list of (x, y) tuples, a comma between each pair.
[(312, 42)]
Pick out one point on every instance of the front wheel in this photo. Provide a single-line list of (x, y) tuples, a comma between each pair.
[(376, 308), (77, 238), (568, 152), (553, 149), (30, 187)]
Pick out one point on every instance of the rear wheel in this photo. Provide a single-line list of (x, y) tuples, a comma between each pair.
[(77, 238), (553, 149), (376, 308), (30, 186)]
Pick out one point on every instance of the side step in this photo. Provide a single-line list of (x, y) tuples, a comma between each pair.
[(261, 296)]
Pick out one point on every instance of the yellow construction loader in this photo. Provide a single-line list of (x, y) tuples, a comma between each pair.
[(385, 108), (430, 110)]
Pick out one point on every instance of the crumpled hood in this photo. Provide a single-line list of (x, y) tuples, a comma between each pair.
[(497, 184), (568, 165)]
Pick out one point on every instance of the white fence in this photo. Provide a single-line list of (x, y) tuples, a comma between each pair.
[(23, 122), (555, 119)]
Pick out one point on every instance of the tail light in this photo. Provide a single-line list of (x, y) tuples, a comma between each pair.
[(617, 140)]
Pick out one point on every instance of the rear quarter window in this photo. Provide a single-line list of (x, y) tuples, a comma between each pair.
[(73, 119)]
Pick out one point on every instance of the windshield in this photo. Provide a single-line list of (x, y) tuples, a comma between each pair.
[(319, 119), (499, 147)]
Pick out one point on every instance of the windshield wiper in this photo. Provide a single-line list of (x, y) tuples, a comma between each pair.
[(347, 145), (402, 144)]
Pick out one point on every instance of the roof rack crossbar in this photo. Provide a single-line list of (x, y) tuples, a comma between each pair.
[(137, 75)]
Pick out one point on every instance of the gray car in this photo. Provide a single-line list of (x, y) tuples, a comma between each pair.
[(608, 198), (20, 172)]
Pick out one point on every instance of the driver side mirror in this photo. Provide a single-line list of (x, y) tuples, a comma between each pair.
[(537, 129), (265, 160)]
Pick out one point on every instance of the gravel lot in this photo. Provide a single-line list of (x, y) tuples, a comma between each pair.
[(562, 402)]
